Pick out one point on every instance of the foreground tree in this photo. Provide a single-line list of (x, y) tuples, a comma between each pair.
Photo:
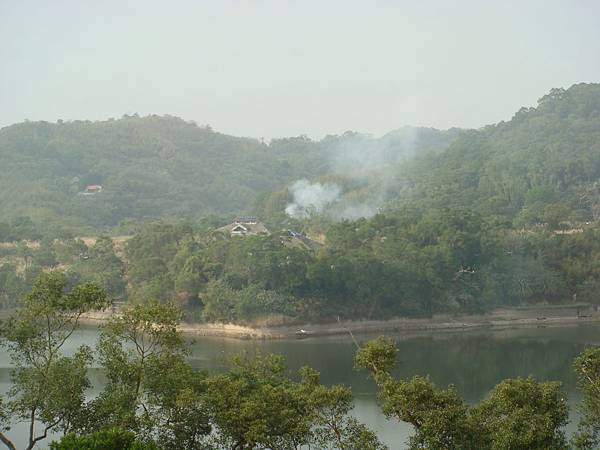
[(522, 414), (151, 389), (48, 388), (519, 414), (333, 426), (587, 366), (110, 439), (257, 406)]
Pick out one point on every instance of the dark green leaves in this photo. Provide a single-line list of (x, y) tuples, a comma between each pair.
[(519, 414)]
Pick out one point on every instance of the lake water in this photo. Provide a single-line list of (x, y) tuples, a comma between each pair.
[(474, 361)]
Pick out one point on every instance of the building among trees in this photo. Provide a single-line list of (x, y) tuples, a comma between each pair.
[(245, 226)]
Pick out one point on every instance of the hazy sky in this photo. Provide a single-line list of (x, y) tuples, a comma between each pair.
[(278, 68)]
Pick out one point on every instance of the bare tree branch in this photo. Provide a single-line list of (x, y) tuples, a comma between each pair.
[(7, 441)]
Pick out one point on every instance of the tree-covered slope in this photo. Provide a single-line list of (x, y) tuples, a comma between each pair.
[(164, 167), (542, 166), (152, 166)]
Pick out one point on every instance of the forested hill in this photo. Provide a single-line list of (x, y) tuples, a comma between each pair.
[(162, 167), (542, 166)]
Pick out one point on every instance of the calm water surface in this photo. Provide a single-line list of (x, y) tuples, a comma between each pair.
[(473, 361)]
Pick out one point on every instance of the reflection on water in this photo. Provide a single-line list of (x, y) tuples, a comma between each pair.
[(473, 361)]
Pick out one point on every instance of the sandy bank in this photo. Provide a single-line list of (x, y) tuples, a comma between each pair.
[(500, 318)]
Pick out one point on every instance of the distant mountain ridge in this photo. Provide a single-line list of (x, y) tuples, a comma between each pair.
[(160, 166), (542, 166)]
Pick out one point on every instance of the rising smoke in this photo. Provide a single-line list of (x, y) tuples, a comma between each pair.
[(359, 159), (311, 198), (358, 155)]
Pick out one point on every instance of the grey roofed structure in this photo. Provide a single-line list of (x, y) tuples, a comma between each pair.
[(245, 226), (293, 239)]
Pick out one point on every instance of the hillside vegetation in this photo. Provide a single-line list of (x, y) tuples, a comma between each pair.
[(506, 215), (542, 166), (165, 167)]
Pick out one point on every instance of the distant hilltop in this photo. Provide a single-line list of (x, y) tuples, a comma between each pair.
[(541, 166), (163, 166)]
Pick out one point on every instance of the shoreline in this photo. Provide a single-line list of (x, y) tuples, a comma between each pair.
[(541, 317)]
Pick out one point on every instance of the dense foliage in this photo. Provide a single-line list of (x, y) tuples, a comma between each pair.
[(506, 215), (96, 261), (158, 167), (409, 264), (48, 391), (154, 399), (541, 167), (106, 439), (518, 414)]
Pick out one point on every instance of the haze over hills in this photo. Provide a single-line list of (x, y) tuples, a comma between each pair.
[(541, 166), (166, 167)]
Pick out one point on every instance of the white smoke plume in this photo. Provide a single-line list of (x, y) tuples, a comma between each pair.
[(356, 155), (311, 197), (367, 161)]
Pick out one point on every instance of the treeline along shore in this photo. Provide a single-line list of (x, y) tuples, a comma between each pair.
[(532, 317)]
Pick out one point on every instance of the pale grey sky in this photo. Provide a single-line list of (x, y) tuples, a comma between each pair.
[(270, 68)]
